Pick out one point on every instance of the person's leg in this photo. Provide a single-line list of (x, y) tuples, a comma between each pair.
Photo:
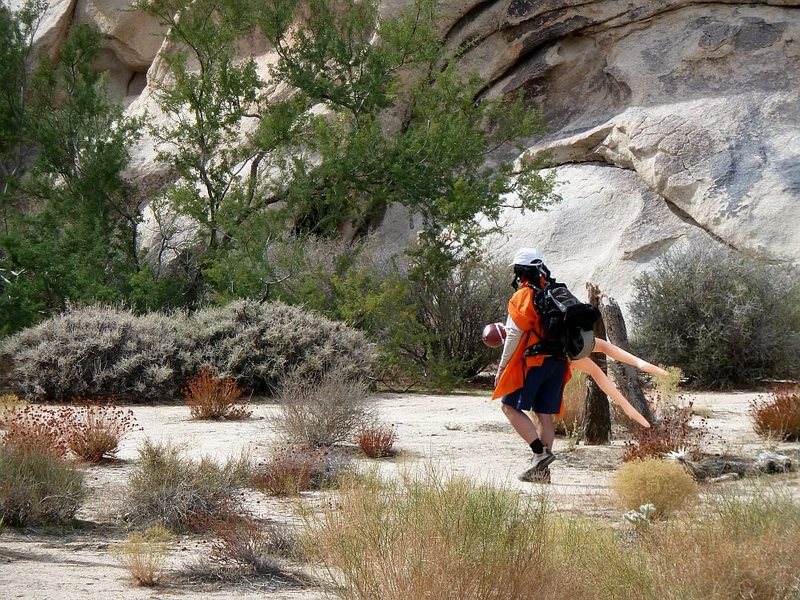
[(546, 430), (617, 353), (592, 370), (521, 423)]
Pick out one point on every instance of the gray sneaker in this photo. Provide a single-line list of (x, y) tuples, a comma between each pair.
[(539, 463), (540, 476)]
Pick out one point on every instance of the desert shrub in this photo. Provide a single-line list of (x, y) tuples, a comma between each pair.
[(777, 415), (291, 470), (574, 400), (433, 537), (665, 484), (258, 344), (36, 429), (376, 439), (320, 412), (9, 401), (99, 351), (145, 554), (670, 433), (210, 397), (37, 488), (94, 430), (244, 545), (723, 318), (170, 489)]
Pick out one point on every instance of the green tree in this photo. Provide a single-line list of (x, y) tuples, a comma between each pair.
[(326, 152), (69, 231)]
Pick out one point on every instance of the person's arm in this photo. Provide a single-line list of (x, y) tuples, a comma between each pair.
[(513, 336)]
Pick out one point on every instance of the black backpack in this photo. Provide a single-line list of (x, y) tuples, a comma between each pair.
[(567, 324)]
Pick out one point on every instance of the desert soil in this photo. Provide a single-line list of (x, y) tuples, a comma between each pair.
[(465, 434)]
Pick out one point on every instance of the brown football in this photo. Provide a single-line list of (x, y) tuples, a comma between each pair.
[(494, 335)]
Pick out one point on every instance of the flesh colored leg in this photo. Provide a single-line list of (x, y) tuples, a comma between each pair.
[(521, 423), (592, 370), (621, 355), (546, 430)]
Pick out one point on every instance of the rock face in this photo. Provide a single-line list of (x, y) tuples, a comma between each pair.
[(672, 121)]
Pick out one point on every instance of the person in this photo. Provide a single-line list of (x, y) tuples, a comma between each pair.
[(529, 382)]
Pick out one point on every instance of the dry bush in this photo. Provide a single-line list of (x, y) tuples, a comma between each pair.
[(210, 397), (37, 429), (180, 493), (100, 351), (38, 488), (244, 545), (290, 471), (435, 537), (95, 430), (256, 344), (777, 415), (145, 554), (665, 484), (669, 434), (320, 412), (376, 440), (574, 405)]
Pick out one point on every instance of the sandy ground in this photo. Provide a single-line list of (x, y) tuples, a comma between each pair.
[(465, 434)]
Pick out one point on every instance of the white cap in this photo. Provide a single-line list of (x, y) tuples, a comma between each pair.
[(527, 256)]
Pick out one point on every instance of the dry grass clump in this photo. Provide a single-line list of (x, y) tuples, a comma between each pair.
[(777, 415), (38, 487), (436, 537), (665, 484), (179, 493), (210, 397), (145, 554), (320, 412), (95, 430), (292, 470), (376, 440), (9, 401), (574, 405)]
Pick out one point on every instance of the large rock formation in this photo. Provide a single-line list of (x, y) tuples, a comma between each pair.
[(671, 120)]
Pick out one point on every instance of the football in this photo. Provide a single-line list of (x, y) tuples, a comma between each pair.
[(494, 335)]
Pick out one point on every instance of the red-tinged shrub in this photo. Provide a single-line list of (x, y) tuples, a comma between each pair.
[(671, 433), (777, 415), (96, 429), (36, 429), (210, 397), (376, 440)]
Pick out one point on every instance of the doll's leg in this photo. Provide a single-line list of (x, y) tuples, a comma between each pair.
[(619, 354), (592, 370)]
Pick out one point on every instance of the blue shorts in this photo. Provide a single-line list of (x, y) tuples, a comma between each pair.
[(542, 390)]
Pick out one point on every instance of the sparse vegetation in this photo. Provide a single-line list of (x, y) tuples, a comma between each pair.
[(664, 484), (246, 546), (30, 428), (95, 430), (144, 554), (172, 490), (38, 488), (210, 397), (574, 406), (292, 470), (778, 415), (376, 439), (320, 412), (671, 432)]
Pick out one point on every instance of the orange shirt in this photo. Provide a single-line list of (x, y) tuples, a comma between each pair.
[(522, 310)]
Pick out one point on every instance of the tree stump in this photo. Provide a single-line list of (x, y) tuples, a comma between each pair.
[(625, 376), (597, 414)]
